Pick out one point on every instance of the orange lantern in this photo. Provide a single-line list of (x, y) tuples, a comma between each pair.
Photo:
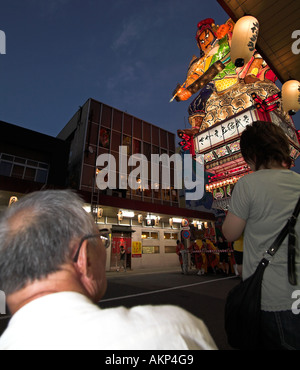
[(245, 34), (100, 213), (12, 201), (291, 96)]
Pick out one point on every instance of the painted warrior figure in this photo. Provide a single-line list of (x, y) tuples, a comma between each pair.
[(227, 90)]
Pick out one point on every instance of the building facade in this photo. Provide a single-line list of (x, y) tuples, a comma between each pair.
[(146, 220)]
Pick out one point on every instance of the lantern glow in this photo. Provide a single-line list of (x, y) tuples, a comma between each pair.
[(244, 39), (291, 96)]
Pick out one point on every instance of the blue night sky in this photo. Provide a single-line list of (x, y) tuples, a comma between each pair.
[(129, 54)]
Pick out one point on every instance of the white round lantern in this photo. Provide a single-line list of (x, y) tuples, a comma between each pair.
[(291, 96), (244, 38)]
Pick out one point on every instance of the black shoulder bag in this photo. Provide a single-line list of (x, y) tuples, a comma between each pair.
[(243, 305)]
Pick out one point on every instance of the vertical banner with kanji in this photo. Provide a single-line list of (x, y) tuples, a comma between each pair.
[(136, 249)]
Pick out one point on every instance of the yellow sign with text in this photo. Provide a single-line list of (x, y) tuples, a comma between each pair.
[(136, 249)]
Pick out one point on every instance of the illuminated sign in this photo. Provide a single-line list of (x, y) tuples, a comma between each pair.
[(224, 132)]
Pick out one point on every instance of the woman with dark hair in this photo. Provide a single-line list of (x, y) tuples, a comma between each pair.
[(265, 146), (261, 204)]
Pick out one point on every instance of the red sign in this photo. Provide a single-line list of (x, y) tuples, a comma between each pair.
[(185, 222), (118, 242)]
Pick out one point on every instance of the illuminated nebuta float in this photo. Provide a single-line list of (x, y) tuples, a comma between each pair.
[(234, 88)]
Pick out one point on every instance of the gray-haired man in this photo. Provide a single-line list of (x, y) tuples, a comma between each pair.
[(52, 269)]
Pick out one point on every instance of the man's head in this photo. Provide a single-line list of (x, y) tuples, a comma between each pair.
[(264, 145), (39, 236)]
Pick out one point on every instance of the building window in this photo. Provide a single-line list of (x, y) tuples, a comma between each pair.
[(23, 169), (170, 249), (171, 236), (30, 174), (147, 151), (149, 235), (137, 128), (150, 238), (147, 132), (151, 249), (127, 127), (174, 195), (116, 142), (157, 194), (104, 138), (18, 171), (117, 120), (5, 168), (41, 176), (147, 192), (137, 146), (127, 142)]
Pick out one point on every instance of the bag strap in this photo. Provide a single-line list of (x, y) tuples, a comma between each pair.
[(292, 246), (289, 229)]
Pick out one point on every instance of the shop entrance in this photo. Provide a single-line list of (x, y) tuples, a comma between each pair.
[(120, 240)]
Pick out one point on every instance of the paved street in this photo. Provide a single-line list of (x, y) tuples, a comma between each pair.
[(204, 296)]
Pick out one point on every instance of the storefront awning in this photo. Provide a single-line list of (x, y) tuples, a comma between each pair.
[(122, 229)]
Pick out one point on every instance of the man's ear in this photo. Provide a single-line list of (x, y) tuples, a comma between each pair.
[(83, 260)]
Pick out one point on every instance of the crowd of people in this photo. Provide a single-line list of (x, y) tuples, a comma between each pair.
[(207, 257)]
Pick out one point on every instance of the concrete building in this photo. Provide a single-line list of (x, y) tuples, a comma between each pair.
[(146, 221)]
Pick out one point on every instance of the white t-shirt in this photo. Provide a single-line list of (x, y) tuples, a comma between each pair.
[(266, 200), (69, 320)]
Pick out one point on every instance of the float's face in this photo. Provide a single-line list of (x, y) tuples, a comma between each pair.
[(205, 39)]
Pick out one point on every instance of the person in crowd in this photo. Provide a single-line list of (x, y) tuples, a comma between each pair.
[(238, 254), (182, 253), (196, 257), (202, 259), (261, 204), (205, 263), (122, 258), (212, 254), (192, 251), (179, 248), (232, 263), (52, 269), (224, 259)]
